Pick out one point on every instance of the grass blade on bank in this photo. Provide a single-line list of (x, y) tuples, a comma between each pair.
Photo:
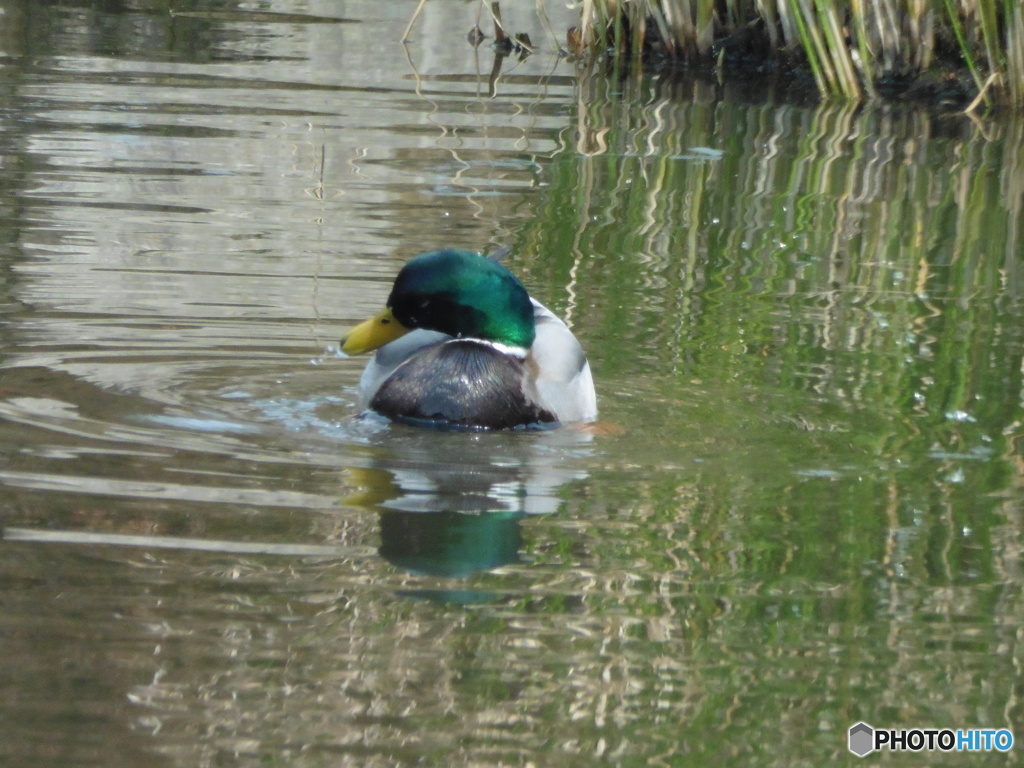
[(849, 45)]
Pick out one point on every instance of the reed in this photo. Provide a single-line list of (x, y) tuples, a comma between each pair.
[(966, 49)]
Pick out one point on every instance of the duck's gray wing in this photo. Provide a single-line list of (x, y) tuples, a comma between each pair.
[(564, 382)]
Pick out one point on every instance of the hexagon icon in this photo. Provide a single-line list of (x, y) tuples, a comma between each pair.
[(861, 739)]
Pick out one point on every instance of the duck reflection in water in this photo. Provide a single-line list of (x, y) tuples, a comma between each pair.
[(451, 503)]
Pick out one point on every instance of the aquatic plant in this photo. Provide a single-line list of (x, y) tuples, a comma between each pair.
[(957, 49)]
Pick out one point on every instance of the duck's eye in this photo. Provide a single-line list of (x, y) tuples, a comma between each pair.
[(385, 321)]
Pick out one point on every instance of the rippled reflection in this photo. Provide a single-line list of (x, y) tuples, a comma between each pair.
[(800, 509), (461, 515)]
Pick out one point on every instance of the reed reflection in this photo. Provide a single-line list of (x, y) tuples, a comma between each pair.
[(855, 256)]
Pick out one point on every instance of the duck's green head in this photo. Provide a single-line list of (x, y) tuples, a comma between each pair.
[(463, 294)]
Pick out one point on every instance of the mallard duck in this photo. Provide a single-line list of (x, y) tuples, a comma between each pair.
[(462, 344)]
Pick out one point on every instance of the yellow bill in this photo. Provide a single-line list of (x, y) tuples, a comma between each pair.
[(373, 333)]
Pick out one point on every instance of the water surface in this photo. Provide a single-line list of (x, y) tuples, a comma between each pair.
[(800, 508)]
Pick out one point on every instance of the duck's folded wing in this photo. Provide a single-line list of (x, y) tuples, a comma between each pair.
[(462, 383), (564, 381), (389, 357)]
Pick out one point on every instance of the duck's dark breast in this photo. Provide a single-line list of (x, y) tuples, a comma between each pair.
[(461, 383)]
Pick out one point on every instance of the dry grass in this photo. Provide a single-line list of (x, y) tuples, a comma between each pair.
[(852, 47)]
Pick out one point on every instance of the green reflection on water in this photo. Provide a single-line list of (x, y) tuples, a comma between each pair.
[(805, 326), (834, 271), (808, 323)]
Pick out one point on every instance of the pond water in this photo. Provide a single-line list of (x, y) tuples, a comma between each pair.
[(801, 506)]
